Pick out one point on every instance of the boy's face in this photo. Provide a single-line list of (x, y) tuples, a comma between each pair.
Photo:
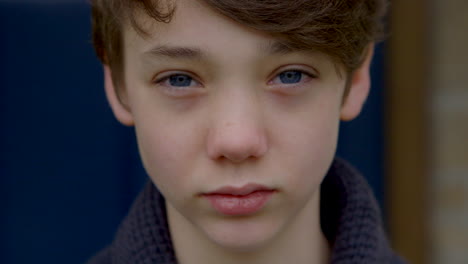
[(215, 105)]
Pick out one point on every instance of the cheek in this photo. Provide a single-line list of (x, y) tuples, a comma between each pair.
[(160, 155), (169, 149), (168, 142), (157, 148), (307, 143), (311, 157)]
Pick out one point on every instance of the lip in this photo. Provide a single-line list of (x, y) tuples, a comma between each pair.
[(239, 201), (242, 190)]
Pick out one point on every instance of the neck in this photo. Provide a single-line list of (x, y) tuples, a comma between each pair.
[(301, 242)]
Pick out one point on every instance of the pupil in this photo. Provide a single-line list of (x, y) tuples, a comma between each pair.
[(290, 77)]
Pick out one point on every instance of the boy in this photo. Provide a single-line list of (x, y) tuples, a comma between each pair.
[(236, 106)]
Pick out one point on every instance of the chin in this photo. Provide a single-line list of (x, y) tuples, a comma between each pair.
[(242, 234)]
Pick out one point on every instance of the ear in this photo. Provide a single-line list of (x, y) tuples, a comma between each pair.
[(121, 111), (359, 88)]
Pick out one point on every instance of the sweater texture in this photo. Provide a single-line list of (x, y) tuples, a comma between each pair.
[(349, 215)]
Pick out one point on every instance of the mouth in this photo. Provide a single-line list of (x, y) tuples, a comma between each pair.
[(239, 201)]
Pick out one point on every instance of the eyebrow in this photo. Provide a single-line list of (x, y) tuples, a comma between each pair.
[(277, 47), (194, 53), (175, 52)]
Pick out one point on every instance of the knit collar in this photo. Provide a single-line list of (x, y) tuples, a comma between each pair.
[(350, 220)]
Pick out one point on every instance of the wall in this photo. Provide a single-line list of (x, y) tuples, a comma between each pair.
[(449, 111)]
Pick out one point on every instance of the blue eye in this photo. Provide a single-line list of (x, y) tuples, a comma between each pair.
[(290, 77), (180, 80), (178, 85)]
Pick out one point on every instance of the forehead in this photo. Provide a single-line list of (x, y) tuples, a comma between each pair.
[(193, 22), (205, 32)]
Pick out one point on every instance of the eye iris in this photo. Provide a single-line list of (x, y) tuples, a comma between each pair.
[(290, 76), (180, 80)]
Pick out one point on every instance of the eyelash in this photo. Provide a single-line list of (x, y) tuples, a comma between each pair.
[(172, 74), (301, 81), (182, 90)]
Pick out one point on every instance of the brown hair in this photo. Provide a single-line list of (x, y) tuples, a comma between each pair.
[(342, 29)]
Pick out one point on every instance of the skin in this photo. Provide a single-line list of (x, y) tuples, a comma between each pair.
[(234, 121)]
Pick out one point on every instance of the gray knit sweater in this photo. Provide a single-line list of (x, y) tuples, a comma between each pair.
[(350, 220)]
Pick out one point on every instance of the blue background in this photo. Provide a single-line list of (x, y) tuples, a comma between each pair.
[(68, 170)]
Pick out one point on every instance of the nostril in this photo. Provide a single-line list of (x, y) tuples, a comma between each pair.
[(238, 156), (237, 147)]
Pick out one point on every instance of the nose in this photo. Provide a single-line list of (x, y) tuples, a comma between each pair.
[(237, 133)]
